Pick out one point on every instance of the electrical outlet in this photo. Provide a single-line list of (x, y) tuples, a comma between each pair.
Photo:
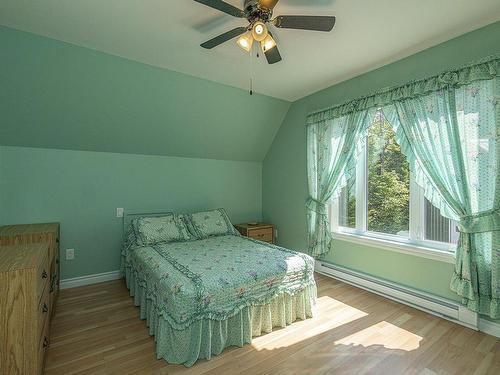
[(119, 212), (70, 254)]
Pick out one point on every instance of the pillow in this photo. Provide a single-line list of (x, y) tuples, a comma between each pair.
[(186, 220), (169, 228), (210, 223), (132, 236)]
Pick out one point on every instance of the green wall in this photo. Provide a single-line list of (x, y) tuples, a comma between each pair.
[(107, 112), (58, 95), (82, 190), (2, 213), (284, 168)]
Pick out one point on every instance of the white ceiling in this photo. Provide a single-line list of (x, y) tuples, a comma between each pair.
[(167, 33)]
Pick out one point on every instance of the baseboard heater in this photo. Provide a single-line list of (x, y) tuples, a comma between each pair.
[(438, 306)]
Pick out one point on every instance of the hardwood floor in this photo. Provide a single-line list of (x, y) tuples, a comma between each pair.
[(97, 330)]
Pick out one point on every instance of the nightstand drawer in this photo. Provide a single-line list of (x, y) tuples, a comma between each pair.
[(267, 238), (258, 231), (261, 234)]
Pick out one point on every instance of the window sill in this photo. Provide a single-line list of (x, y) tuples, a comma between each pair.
[(400, 247)]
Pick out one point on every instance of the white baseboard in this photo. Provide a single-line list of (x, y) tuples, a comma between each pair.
[(489, 327), (442, 307), (90, 279)]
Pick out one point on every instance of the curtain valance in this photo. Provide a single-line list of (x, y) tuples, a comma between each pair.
[(484, 69)]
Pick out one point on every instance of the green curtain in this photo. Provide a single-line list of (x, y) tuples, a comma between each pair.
[(331, 150), (448, 126), (451, 140)]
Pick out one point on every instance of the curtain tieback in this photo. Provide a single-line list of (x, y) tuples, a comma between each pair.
[(317, 206), (486, 221)]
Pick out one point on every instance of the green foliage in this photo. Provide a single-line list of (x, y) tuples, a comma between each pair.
[(388, 184), (349, 196), (351, 212), (388, 181)]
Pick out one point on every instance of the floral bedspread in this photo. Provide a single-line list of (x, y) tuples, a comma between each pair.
[(215, 277)]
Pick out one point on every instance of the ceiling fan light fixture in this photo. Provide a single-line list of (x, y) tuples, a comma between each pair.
[(246, 41), (259, 31), (268, 43), (259, 14)]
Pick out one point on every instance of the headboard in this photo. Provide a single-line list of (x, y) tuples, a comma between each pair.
[(128, 216)]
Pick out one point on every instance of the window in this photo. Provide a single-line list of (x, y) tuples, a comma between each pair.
[(347, 204), (382, 202), (388, 181), (437, 227)]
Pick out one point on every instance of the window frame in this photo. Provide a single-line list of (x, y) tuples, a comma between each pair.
[(415, 244)]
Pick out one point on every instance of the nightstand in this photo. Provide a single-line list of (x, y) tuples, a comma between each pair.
[(261, 232)]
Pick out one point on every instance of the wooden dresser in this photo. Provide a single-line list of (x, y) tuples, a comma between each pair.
[(261, 232), (29, 285)]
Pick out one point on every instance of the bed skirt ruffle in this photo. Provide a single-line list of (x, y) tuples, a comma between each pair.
[(205, 338)]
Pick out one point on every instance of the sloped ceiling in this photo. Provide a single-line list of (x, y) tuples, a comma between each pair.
[(58, 95), (167, 33)]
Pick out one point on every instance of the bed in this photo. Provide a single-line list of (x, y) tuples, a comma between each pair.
[(205, 293)]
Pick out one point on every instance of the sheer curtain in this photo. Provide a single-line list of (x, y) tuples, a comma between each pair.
[(451, 140), (331, 151)]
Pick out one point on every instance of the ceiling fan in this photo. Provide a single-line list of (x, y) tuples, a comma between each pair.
[(259, 14)]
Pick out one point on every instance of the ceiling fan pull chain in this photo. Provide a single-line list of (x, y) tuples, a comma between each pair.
[(251, 72)]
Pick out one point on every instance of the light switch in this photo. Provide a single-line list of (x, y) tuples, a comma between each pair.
[(70, 254), (119, 212)]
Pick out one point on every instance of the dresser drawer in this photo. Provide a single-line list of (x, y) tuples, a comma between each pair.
[(27, 267), (43, 310), (265, 234), (42, 276), (43, 345)]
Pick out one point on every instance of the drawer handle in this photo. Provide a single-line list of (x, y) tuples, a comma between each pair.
[(44, 274), (52, 282), (45, 308), (45, 342)]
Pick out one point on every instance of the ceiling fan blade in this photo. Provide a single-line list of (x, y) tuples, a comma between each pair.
[(224, 37), (223, 7), (268, 4), (273, 55), (316, 23)]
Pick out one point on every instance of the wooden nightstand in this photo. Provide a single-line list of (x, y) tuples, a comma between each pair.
[(261, 232)]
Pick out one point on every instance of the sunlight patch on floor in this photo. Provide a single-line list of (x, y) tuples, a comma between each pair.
[(338, 314), (383, 334)]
